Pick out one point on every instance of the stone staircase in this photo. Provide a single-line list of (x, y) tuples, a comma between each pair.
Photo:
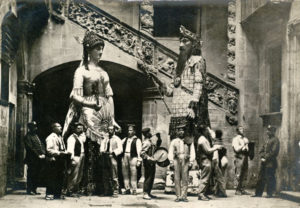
[(144, 48)]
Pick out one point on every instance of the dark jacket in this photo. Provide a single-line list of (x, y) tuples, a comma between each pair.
[(270, 151), (34, 148)]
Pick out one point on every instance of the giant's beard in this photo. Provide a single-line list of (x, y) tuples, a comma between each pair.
[(184, 55)]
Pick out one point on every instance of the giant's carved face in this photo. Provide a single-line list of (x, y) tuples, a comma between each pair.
[(185, 44), (185, 53)]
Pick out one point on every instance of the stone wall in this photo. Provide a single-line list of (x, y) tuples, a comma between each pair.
[(214, 36), (4, 127), (247, 80)]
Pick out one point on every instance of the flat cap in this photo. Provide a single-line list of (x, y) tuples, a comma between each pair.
[(145, 130)]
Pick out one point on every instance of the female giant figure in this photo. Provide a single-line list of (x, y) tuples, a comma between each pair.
[(92, 104)]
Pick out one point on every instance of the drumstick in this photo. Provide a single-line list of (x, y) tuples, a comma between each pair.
[(160, 156)]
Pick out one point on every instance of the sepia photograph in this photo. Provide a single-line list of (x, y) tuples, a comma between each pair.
[(150, 103)]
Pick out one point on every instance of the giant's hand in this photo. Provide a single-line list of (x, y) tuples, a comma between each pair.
[(116, 125), (190, 113), (97, 107)]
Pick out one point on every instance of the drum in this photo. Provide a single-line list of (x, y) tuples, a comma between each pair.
[(161, 157)]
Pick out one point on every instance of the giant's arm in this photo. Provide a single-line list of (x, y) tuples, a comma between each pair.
[(200, 68)]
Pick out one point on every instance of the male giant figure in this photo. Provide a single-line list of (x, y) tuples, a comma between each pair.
[(190, 101)]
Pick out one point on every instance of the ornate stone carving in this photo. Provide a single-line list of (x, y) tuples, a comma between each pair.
[(231, 31), (25, 87), (146, 16), (145, 49), (111, 30), (225, 97), (166, 63)]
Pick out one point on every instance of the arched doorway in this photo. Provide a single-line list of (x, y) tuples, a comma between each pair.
[(53, 87)]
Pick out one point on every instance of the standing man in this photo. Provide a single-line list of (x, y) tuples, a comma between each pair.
[(35, 154), (219, 165), (57, 152), (268, 166), (115, 149), (241, 149), (181, 156), (132, 147), (75, 146), (148, 149), (205, 151)]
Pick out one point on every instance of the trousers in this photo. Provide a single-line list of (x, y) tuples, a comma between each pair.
[(149, 176), (75, 174), (181, 174), (129, 171), (241, 172), (219, 179), (115, 180), (206, 169), (266, 177)]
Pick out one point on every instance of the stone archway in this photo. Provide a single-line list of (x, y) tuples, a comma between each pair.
[(53, 87)]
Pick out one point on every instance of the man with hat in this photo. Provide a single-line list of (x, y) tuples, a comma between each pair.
[(131, 160), (35, 153), (268, 166), (148, 148), (181, 156)]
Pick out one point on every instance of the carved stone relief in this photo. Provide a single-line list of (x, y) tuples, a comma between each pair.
[(146, 16), (231, 32), (137, 45)]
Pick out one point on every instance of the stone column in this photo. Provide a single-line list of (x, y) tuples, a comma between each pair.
[(24, 115)]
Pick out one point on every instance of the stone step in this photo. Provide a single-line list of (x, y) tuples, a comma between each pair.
[(290, 195)]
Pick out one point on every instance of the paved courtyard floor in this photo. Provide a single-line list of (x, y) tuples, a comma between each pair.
[(19, 199)]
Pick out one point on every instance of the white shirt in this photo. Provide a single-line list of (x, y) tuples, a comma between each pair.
[(54, 144), (238, 142), (71, 143), (178, 149)]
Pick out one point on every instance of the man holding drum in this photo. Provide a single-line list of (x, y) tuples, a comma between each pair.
[(148, 148)]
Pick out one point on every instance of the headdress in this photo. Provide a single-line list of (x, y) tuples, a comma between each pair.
[(91, 39), (190, 35)]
